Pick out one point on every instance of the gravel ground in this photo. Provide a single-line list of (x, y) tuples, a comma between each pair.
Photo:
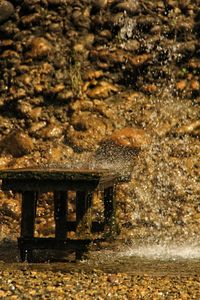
[(103, 275), (29, 284)]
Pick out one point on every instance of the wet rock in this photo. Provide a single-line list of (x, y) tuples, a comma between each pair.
[(119, 150), (131, 137), (40, 47), (130, 7), (131, 45), (4, 161), (139, 60), (52, 131), (102, 90), (31, 19), (9, 54), (84, 43), (150, 88), (100, 4), (86, 131), (195, 86), (181, 85), (192, 128), (17, 143), (194, 63), (6, 10), (10, 208), (36, 126)]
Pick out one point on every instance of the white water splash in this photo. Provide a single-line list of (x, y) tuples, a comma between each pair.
[(163, 252)]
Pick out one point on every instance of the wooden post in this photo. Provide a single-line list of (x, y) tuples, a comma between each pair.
[(83, 204), (83, 216), (29, 203), (60, 214)]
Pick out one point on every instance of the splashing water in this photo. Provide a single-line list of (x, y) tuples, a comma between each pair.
[(163, 252)]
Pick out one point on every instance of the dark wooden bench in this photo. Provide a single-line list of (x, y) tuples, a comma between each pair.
[(32, 181)]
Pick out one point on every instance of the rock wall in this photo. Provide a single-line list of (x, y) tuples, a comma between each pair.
[(79, 76)]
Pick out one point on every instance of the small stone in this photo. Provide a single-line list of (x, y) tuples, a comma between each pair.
[(6, 10), (17, 143)]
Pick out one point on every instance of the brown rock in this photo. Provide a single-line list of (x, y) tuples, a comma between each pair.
[(93, 74), (10, 208), (40, 47), (86, 131), (139, 60), (130, 137), (16, 143), (131, 7), (150, 88), (51, 131), (102, 90), (131, 45), (192, 128), (9, 54), (181, 85), (100, 3), (119, 150), (195, 85), (30, 19), (194, 63), (6, 10)]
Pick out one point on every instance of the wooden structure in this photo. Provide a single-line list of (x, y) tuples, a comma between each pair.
[(30, 182)]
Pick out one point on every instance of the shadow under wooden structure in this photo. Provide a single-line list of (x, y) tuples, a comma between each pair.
[(32, 181)]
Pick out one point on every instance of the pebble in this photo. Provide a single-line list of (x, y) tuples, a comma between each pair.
[(96, 285)]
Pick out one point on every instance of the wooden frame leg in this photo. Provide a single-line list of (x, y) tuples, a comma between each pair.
[(60, 214), (83, 216), (29, 204), (83, 203)]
